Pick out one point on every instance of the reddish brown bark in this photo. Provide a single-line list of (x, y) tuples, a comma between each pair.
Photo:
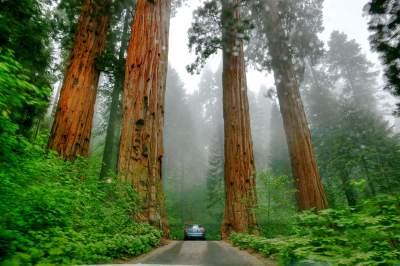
[(141, 146), (310, 192), (70, 134), (239, 169)]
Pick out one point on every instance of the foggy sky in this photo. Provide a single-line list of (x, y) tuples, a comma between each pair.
[(342, 15)]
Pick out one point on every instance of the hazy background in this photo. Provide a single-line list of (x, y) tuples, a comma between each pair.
[(343, 15)]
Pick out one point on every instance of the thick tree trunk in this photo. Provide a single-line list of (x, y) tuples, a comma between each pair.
[(141, 147), (70, 134), (239, 169), (109, 154), (310, 192)]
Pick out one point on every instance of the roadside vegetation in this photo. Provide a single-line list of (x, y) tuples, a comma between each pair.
[(367, 234), (105, 148), (55, 212)]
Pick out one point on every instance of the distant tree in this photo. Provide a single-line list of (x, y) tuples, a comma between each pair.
[(355, 147), (288, 32), (210, 90), (215, 178), (72, 126), (347, 63), (110, 148), (141, 145), (180, 128), (210, 93), (279, 161), (260, 110), (178, 163), (384, 23)]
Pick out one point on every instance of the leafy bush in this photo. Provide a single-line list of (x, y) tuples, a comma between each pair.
[(366, 235), (60, 213), (19, 102), (275, 203)]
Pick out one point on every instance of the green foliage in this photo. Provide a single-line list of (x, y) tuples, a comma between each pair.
[(292, 25), (276, 203), (19, 100), (355, 147), (211, 27), (25, 29), (384, 25), (366, 235), (61, 213), (215, 179)]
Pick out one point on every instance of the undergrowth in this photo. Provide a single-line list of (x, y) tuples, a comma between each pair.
[(366, 235), (60, 213)]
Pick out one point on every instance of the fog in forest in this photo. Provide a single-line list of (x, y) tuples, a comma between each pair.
[(273, 125), (343, 101)]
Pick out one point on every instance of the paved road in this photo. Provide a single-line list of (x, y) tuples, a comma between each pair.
[(216, 253)]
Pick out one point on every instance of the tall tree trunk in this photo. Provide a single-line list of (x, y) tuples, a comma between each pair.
[(114, 119), (310, 192), (141, 147), (70, 134), (239, 169)]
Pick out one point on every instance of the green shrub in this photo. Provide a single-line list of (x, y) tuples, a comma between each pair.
[(366, 235), (61, 213), (20, 101)]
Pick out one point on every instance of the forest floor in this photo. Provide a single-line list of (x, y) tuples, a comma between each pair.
[(200, 253)]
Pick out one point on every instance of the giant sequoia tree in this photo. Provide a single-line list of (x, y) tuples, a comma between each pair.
[(218, 24), (288, 30), (141, 145), (70, 134)]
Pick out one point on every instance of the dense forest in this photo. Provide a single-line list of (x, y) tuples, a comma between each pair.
[(106, 152)]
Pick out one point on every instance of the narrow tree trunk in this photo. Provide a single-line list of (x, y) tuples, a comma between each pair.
[(141, 147), (108, 164), (70, 134), (370, 183), (53, 107), (348, 189), (239, 169), (310, 192)]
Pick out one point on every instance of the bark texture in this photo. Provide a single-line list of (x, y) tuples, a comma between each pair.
[(109, 154), (239, 168), (310, 192), (72, 126), (141, 146)]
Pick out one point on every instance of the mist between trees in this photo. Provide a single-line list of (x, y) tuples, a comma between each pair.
[(121, 154)]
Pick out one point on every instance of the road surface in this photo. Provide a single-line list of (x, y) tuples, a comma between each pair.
[(217, 253)]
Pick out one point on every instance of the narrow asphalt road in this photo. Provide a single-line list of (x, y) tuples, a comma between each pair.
[(200, 253)]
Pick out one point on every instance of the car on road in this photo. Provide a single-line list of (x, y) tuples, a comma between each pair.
[(194, 232)]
